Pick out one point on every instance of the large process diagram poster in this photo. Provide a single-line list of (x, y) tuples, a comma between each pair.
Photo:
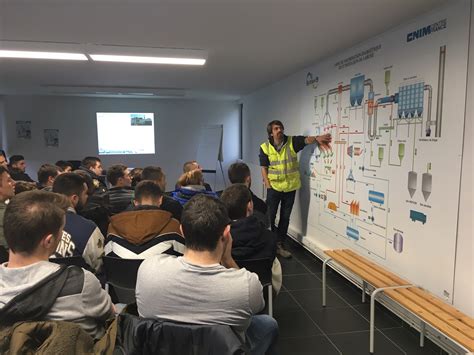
[(390, 186)]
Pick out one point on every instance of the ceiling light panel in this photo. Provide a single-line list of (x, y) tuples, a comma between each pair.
[(147, 55), (41, 50), (146, 60)]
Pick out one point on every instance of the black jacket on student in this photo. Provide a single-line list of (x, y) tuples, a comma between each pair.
[(251, 240)]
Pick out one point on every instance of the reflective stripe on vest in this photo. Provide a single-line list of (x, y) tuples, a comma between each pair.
[(283, 172)]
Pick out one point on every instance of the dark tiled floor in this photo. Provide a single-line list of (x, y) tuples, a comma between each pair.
[(343, 326)]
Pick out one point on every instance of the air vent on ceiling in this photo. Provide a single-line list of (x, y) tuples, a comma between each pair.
[(114, 91)]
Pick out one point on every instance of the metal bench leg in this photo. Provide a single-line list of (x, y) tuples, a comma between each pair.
[(422, 334), (270, 301), (324, 280), (364, 287), (372, 312)]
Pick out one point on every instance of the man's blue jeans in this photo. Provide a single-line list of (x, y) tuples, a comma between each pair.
[(287, 199), (262, 335)]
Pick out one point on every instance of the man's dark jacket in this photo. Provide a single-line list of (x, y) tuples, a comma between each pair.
[(251, 240), (19, 175), (154, 336), (99, 181)]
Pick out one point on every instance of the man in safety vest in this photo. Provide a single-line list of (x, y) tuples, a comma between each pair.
[(281, 173)]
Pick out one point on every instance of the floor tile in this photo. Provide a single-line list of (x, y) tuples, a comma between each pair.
[(307, 346), (350, 294), (301, 282), (312, 266), (410, 342), (334, 279), (296, 323), (312, 299), (284, 303), (357, 343), (304, 255), (383, 318), (293, 267), (339, 320)]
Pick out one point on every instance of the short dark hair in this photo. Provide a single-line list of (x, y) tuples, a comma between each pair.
[(69, 184), (270, 127), (148, 189), (90, 162), (203, 221), (235, 198), (31, 216), (154, 173), (45, 171), (87, 179), (3, 170), (136, 175), (63, 164), (23, 186), (15, 159), (238, 172), (115, 172)]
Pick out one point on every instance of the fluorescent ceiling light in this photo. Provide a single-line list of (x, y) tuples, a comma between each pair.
[(147, 55), (147, 60), (98, 52), (41, 55), (42, 50)]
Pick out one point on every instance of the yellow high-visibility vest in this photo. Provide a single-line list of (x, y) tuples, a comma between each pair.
[(284, 169)]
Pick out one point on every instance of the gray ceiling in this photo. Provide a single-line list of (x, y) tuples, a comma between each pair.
[(250, 43)]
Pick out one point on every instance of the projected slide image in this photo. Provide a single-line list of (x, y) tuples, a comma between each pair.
[(125, 133), (139, 119)]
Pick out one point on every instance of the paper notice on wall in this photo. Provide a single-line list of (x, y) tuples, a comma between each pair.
[(23, 129), (51, 137)]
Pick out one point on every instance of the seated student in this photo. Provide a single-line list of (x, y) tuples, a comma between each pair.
[(190, 184), (7, 191), (156, 174), (22, 186), (251, 240), (194, 165), (239, 173), (17, 169), (3, 159), (205, 286), (121, 193), (80, 236), (93, 167), (46, 175), (33, 228), (97, 206), (65, 166), (146, 230), (136, 176)]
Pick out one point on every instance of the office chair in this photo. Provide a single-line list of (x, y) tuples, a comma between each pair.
[(121, 274)]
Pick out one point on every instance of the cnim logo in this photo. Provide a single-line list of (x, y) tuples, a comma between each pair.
[(427, 30), (310, 80)]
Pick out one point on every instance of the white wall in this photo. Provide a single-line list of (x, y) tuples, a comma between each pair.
[(285, 100), (177, 130), (464, 272)]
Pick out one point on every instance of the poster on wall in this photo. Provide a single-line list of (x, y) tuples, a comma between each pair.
[(51, 137), (389, 188), (23, 129)]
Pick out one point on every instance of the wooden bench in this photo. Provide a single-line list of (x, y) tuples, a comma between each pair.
[(426, 307)]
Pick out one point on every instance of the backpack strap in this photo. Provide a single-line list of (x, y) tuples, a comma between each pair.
[(34, 303)]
